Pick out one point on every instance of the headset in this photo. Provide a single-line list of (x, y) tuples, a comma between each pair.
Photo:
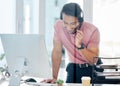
[(68, 8)]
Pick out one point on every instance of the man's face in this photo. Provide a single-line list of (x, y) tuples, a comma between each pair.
[(70, 22)]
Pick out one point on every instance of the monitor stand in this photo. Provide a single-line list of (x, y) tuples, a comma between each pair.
[(18, 72)]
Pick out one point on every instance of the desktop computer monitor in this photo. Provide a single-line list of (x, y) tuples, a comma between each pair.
[(26, 54)]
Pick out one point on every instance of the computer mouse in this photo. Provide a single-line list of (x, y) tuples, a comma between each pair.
[(30, 80)]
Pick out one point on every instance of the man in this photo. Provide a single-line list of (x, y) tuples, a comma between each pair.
[(81, 40)]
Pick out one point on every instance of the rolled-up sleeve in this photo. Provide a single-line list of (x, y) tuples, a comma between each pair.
[(57, 36), (94, 39)]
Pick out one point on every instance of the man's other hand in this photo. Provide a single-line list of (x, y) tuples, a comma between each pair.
[(49, 81)]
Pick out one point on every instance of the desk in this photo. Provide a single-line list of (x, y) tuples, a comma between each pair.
[(72, 84), (5, 83)]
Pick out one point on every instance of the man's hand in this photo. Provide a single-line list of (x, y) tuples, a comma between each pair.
[(49, 81), (78, 38)]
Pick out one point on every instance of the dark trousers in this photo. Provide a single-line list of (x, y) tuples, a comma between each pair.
[(75, 72)]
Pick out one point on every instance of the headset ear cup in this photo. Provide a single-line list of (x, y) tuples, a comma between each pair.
[(81, 16), (80, 19)]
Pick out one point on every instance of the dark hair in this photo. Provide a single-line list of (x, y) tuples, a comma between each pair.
[(72, 9)]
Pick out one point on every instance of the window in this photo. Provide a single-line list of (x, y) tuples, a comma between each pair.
[(106, 18), (30, 16), (27, 19)]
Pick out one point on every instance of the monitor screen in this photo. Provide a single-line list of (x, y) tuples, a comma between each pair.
[(26, 53)]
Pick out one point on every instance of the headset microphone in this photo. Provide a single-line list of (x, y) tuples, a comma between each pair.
[(77, 28)]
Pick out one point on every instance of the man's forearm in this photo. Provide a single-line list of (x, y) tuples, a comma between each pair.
[(90, 56), (56, 60)]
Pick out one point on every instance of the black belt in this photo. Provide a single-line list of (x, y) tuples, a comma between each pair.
[(81, 65)]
